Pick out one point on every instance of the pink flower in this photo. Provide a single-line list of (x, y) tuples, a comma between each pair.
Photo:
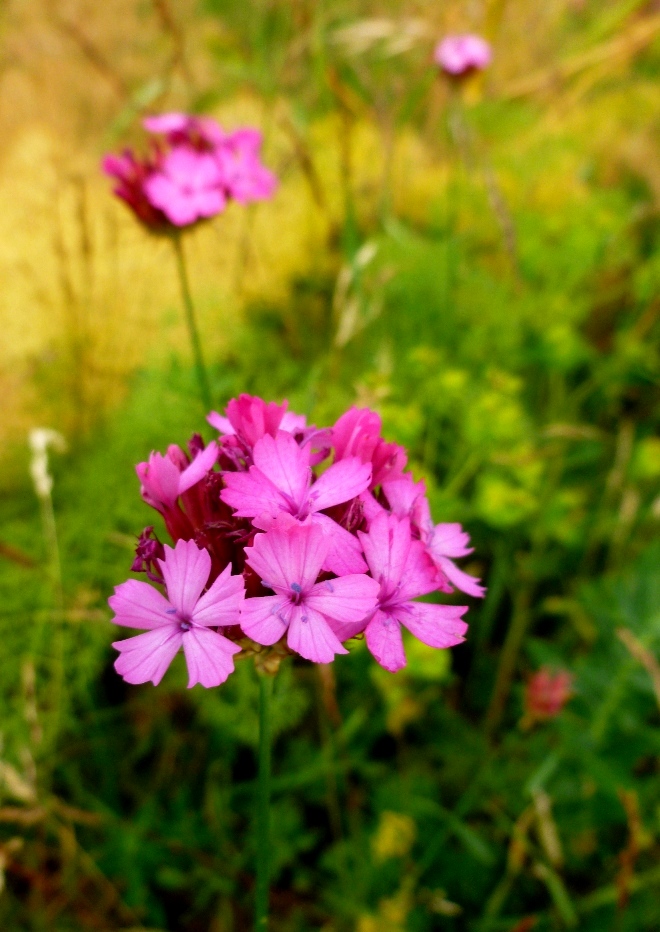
[(546, 693), (244, 176), (183, 619), (289, 558), (357, 433), (185, 129), (442, 541), (164, 478), (188, 186), (280, 481), (458, 55), (132, 174), (403, 571)]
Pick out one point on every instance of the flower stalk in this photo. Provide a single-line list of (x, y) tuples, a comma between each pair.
[(266, 682), (189, 307)]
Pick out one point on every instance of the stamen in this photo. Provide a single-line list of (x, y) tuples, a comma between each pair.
[(296, 587)]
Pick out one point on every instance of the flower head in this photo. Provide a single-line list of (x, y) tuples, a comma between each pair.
[(187, 186), (183, 619), (131, 174), (289, 558), (404, 572), (546, 694), (462, 54), (357, 433)]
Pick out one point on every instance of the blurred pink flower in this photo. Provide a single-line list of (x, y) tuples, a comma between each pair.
[(244, 177), (131, 174), (289, 558), (183, 619), (186, 129), (188, 186), (280, 481), (404, 571), (546, 694), (459, 55)]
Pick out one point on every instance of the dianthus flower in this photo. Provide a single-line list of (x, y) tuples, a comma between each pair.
[(459, 55), (313, 557), (546, 694)]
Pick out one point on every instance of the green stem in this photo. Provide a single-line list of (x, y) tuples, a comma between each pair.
[(263, 807), (202, 377)]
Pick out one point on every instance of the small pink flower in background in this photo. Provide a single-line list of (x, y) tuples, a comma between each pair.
[(183, 619), (459, 55), (546, 694), (188, 186), (404, 572), (289, 558), (280, 481), (131, 174)]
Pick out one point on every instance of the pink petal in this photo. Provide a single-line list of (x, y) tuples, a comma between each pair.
[(147, 656), (286, 465), (449, 540), (402, 494), (185, 569), (340, 482), (347, 599), (386, 548), (383, 636), (420, 575), (166, 123), (138, 605), (159, 480), (221, 424), (370, 507), (220, 606), (311, 636), (266, 618), (252, 494), (435, 625), (209, 657), (345, 553), (200, 466), (461, 580), (289, 553)]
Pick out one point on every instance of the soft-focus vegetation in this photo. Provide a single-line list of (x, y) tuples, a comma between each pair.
[(482, 267)]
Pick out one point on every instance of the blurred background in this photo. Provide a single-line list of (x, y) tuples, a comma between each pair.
[(480, 263)]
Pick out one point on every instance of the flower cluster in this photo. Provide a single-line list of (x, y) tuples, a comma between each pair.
[(192, 169), (271, 550), (462, 54)]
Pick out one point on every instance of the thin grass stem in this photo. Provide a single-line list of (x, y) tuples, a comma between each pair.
[(189, 307)]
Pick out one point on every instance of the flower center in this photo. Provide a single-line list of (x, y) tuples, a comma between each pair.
[(296, 589)]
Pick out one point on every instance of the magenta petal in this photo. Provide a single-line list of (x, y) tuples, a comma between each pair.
[(344, 553), (285, 464), (138, 605), (159, 479), (435, 625), (347, 599), (383, 636), (209, 657), (386, 548), (200, 466), (311, 636), (340, 482), (265, 619), (220, 606), (461, 580), (450, 540), (185, 569), (289, 553), (147, 656), (251, 494), (420, 575), (221, 424), (166, 123)]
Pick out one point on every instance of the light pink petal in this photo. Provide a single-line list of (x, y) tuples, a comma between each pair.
[(420, 575), (345, 552), (340, 482), (347, 599), (251, 494), (147, 656), (209, 657), (293, 423), (186, 570), (449, 540), (386, 548), (383, 636), (435, 625), (200, 466), (285, 464), (287, 554), (220, 606), (221, 424), (461, 580), (159, 479), (402, 494), (371, 507), (166, 123), (311, 636), (138, 605), (265, 619)]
